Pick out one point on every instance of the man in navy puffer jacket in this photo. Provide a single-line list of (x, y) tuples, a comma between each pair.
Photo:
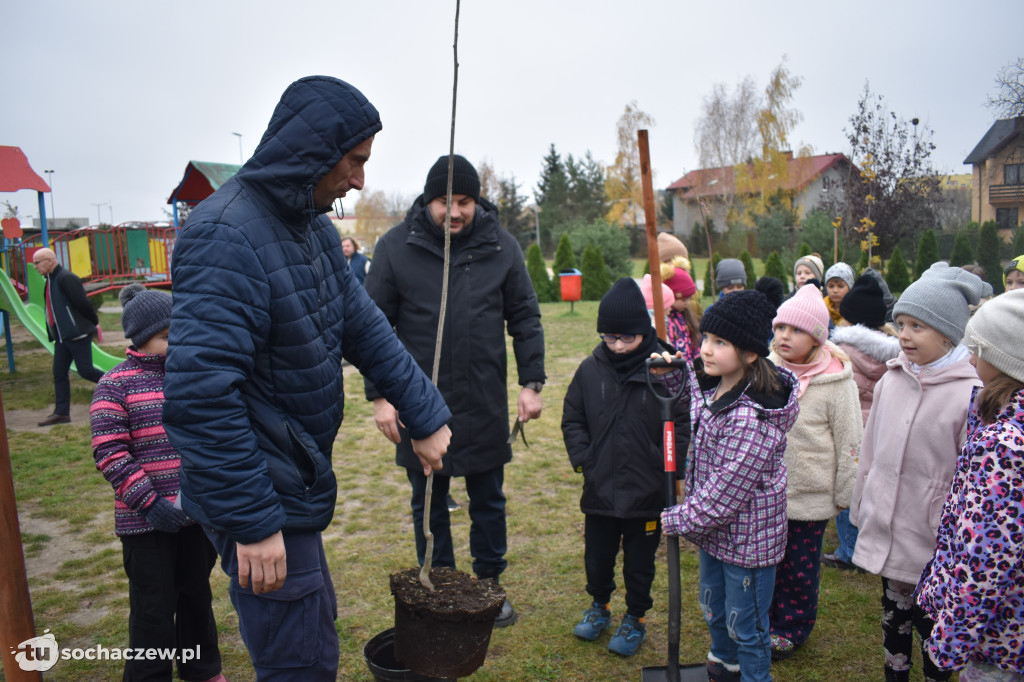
[(264, 307)]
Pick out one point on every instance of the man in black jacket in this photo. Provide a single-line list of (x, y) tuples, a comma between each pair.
[(70, 323), (489, 287)]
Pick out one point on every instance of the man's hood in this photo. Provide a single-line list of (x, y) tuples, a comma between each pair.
[(318, 120)]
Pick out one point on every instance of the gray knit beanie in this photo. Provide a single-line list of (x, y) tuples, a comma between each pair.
[(730, 271), (942, 299), (145, 313), (841, 271), (994, 333), (813, 261)]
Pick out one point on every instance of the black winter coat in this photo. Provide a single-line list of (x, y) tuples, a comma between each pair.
[(488, 287), (72, 310), (613, 434)]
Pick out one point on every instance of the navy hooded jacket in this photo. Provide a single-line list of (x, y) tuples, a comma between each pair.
[(264, 307)]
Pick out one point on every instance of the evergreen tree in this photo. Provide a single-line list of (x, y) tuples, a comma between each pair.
[(927, 252), (1018, 242), (896, 275), (805, 250), (862, 264), (564, 260), (611, 241), (511, 211), (538, 274), (962, 254), (552, 195), (709, 277), (988, 255), (595, 274), (748, 266), (586, 197), (773, 267)]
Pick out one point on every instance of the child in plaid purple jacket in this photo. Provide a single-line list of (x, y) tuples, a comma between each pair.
[(734, 510)]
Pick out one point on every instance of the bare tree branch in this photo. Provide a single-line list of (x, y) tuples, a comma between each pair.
[(1008, 102)]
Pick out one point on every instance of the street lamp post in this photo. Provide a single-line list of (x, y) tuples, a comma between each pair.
[(99, 219), (49, 181), (239, 136), (111, 207)]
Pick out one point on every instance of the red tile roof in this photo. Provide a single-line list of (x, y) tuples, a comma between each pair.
[(721, 181)]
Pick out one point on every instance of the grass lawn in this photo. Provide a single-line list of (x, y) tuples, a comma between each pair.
[(79, 590)]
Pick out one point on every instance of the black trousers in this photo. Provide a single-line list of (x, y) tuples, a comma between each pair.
[(639, 539), (488, 534), (64, 352), (171, 603), (900, 617)]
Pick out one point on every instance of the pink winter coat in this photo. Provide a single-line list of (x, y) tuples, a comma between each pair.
[(869, 350), (914, 432)]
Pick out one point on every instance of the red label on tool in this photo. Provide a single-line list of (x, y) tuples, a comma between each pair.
[(670, 446)]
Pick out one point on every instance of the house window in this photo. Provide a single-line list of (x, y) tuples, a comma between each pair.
[(1006, 218), (1013, 174)]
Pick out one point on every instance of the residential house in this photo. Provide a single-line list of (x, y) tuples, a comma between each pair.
[(810, 180), (998, 176)]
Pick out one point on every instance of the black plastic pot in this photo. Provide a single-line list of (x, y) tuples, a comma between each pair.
[(379, 653)]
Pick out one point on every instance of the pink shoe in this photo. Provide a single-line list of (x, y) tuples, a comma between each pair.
[(219, 678)]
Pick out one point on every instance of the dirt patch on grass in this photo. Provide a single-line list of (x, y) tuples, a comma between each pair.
[(63, 545), (28, 420)]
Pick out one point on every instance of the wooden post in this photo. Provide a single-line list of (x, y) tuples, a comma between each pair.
[(653, 260), (16, 624)]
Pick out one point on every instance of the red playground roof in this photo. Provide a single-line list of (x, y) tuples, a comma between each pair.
[(16, 174)]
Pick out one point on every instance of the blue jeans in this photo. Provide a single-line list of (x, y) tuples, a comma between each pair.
[(290, 633), (488, 540), (847, 536), (735, 602)]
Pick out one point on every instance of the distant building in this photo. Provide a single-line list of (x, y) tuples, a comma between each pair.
[(57, 224), (998, 174), (810, 180)]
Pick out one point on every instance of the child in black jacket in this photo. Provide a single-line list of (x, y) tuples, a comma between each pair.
[(612, 429)]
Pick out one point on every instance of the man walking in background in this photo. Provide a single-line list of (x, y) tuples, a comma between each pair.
[(70, 323)]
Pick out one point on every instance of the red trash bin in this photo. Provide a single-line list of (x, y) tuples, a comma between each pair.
[(571, 283)]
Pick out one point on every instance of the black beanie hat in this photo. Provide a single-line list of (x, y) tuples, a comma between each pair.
[(864, 303), (743, 318), (623, 310), (464, 179), (772, 289), (145, 312)]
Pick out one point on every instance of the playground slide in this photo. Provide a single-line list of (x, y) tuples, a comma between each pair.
[(33, 317)]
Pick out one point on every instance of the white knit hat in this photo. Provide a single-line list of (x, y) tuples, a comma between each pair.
[(994, 333), (841, 271)]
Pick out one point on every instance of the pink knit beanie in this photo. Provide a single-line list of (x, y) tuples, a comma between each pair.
[(681, 283), (666, 294), (807, 312)]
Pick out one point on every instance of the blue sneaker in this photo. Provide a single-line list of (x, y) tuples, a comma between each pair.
[(629, 636), (595, 621)]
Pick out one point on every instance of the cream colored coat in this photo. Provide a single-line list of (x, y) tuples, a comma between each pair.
[(822, 448), (917, 424)]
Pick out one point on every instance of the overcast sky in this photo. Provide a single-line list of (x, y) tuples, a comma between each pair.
[(116, 97)]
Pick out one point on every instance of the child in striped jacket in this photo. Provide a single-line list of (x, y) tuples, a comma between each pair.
[(167, 557)]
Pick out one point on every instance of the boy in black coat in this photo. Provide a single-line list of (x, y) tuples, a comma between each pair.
[(612, 429)]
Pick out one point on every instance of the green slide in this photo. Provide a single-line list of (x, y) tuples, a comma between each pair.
[(33, 316)]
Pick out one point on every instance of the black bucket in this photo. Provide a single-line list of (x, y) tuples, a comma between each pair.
[(379, 653)]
